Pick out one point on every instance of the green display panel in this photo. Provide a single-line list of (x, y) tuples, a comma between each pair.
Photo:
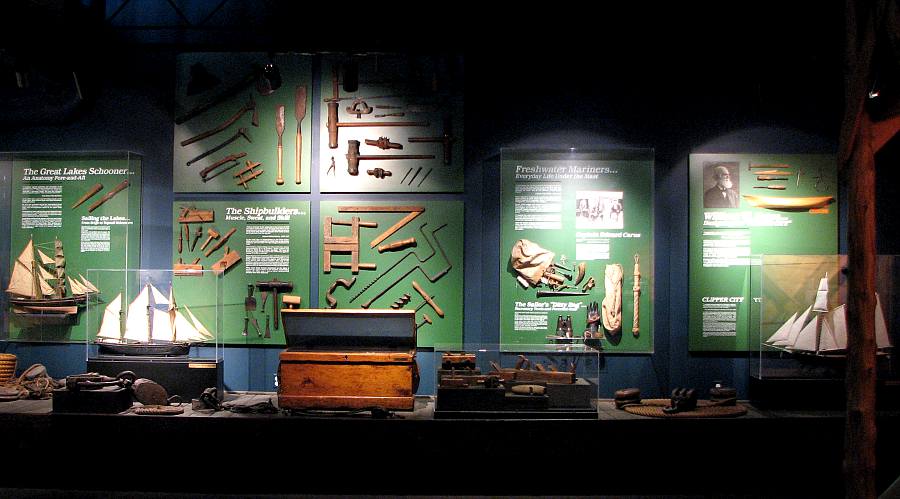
[(226, 93), (391, 124), (566, 211), (70, 212), (743, 206), (267, 241), (400, 247)]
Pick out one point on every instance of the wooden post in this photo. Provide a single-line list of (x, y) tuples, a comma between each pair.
[(861, 138), (860, 432)]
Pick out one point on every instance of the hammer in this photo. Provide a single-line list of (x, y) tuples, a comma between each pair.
[(212, 235), (221, 242), (274, 286)]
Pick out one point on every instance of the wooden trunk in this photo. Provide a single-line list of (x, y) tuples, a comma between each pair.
[(348, 359), (346, 380)]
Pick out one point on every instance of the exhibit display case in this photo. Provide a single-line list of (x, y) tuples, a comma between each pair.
[(801, 340), (541, 381), (576, 238), (68, 211), (162, 324)]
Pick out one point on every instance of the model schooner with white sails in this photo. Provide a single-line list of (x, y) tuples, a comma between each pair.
[(39, 285), (825, 334), (153, 325)]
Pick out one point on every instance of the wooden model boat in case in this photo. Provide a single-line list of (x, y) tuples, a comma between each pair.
[(348, 360)]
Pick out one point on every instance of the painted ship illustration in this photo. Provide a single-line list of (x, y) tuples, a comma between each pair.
[(154, 325), (823, 332), (40, 288)]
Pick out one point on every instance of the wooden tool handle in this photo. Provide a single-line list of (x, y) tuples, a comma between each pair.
[(279, 177), (297, 149), (221, 242), (397, 245), (431, 302)]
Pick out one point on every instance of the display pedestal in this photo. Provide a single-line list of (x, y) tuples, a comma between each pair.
[(187, 378), (106, 400), (561, 401), (799, 393)]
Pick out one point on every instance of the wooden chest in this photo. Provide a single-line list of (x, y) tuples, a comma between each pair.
[(348, 359)]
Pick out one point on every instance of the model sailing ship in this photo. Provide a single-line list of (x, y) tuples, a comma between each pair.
[(825, 335), (39, 287), (154, 325)]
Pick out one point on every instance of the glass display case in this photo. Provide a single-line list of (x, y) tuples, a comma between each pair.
[(801, 342), (543, 381), (162, 324), (68, 211)]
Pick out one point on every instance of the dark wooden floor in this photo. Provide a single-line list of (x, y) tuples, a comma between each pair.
[(775, 453)]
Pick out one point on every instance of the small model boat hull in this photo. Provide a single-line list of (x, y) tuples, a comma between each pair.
[(788, 203)]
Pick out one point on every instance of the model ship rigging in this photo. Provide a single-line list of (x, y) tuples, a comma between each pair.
[(825, 334), (39, 287), (154, 325)]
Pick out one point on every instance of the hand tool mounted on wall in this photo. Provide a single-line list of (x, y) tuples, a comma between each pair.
[(249, 172), (774, 187), (329, 297), (109, 195), (249, 106), (379, 173), (275, 286), (432, 279), (197, 235), (189, 214), (413, 212), (383, 143), (343, 244), (428, 299), (242, 132), (333, 124), (770, 166), (186, 229), (359, 107), (221, 242), (234, 89), (446, 139), (398, 245), (398, 262), (636, 289), (279, 129), (231, 159), (354, 157), (299, 114), (425, 319), (212, 235), (401, 302), (87, 195), (228, 260)]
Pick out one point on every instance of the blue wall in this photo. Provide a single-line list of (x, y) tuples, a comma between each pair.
[(514, 98)]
